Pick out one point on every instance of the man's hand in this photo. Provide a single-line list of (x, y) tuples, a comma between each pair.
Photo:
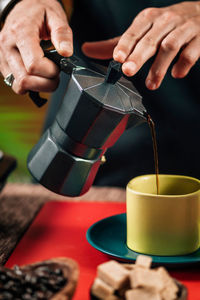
[(29, 22), (161, 31)]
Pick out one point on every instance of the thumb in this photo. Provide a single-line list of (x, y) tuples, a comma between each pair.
[(60, 31), (100, 50)]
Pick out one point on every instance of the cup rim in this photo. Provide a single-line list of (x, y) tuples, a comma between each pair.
[(159, 195)]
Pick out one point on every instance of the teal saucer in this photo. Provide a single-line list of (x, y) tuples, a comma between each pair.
[(109, 236)]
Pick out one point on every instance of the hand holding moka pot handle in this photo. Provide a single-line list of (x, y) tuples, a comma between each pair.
[(64, 64)]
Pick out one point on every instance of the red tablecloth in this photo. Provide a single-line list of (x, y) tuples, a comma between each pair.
[(60, 229)]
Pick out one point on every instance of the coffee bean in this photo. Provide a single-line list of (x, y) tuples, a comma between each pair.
[(29, 278), (29, 290), (55, 288), (40, 295), (9, 273), (52, 281), (8, 285), (60, 281), (38, 283), (17, 270), (58, 272), (42, 271), (26, 297), (7, 296), (3, 277), (42, 288)]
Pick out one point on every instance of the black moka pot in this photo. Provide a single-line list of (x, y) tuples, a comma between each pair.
[(95, 111)]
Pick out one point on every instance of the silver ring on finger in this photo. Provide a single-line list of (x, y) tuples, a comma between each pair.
[(9, 80)]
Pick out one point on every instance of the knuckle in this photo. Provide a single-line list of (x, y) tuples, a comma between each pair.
[(16, 27), (20, 42), (158, 75), (188, 58), (168, 16), (68, 29), (62, 28), (3, 39), (22, 84), (129, 35), (170, 44), (18, 91), (150, 41), (149, 12), (13, 31), (190, 23), (32, 67)]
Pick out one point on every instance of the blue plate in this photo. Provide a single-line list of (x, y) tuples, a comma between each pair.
[(109, 237)]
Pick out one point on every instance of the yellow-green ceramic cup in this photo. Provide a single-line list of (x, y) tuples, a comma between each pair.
[(164, 224)]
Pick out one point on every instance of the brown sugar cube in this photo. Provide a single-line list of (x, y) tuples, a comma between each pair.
[(146, 278), (170, 287), (142, 294), (100, 289), (143, 261), (114, 274)]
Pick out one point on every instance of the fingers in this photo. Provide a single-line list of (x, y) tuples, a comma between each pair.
[(60, 32), (24, 82), (141, 24), (33, 57), (169, 48), (100, 50), (162, 32), (34, 83), (20, 50), (147, 46), (187, 59)]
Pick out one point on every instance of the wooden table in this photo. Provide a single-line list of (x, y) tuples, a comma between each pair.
[(20, 203)]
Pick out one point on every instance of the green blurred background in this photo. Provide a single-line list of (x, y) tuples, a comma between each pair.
[(20, 127)]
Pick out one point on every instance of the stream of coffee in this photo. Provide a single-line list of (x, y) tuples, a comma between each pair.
[(155, 149)]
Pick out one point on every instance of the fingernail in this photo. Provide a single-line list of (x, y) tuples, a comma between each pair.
[(119, 56), (129, 68), (65, 46), (150, 85)]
